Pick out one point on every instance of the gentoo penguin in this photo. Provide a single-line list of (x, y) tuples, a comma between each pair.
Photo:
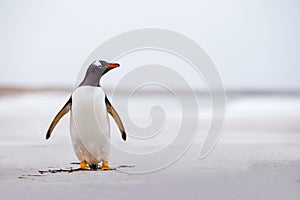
[(89, 122)]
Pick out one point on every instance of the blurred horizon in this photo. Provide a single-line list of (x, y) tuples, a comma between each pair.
[(19, 90)]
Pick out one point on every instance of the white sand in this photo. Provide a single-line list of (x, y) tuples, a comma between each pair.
[(258, 157)]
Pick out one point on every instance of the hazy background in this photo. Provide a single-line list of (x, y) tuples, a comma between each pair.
[(254, 44)]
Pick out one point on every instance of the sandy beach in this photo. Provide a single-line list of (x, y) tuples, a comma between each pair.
[(257, 157)]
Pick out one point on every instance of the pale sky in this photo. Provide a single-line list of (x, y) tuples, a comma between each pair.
[(254, 44)]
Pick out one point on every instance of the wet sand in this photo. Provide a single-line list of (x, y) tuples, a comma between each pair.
[(257, 158)]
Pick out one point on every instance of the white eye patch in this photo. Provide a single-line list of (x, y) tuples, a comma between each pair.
[(98, 63)]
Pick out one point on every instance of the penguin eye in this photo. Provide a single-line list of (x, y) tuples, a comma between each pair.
[(98, 64), (102, 63)]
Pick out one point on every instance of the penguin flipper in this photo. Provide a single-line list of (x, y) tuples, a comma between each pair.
[(59, 115), (115, 115)]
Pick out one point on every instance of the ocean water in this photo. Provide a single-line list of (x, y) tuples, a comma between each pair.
[(26, 117)]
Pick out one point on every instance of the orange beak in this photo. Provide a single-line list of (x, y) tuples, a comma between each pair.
[(113, 65)]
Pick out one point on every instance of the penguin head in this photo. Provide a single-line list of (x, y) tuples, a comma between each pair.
[(101, 67), (96, 70)]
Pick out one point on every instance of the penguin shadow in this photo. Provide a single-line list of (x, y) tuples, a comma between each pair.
[(77, 169)]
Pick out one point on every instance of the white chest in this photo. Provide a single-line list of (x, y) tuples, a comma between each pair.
[(89, 124)]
